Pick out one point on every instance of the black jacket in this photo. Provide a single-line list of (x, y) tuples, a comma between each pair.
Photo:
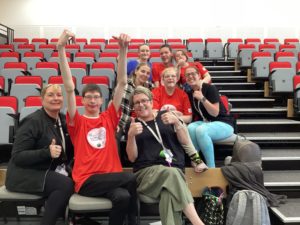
[(31, 159)]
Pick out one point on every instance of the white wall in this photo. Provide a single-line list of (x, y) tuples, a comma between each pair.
[(153, 18)]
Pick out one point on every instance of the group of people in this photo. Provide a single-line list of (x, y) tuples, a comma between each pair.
[(154, 120)]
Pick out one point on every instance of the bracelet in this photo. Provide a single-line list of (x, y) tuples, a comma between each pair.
[(196, 158), (203, 99)]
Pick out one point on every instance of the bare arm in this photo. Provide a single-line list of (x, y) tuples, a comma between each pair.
[(66, 72), (121, 71), (206, 78), (131, 147)]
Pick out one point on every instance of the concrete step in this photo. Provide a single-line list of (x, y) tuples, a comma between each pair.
[(280, 154), (252, 102), (268, 125), (235, 86), (288, 178), (288, 213), (219, 62), (249, 92), (265, 137), (221, 69), (230, 79)]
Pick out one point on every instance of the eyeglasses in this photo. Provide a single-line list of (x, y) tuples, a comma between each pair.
[(143, 101), (191, 74), (90, 97)]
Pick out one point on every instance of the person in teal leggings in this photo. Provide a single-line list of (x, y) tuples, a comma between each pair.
[(211, 122)]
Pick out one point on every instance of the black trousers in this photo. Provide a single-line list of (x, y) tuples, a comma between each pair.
[(120, 188), (58, 189)]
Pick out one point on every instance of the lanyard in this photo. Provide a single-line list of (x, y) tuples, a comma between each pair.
[(62, 135), (167, 152), (199, 110)]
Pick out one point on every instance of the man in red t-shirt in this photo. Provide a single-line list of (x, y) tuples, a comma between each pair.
[(97, 168), (157, 68)]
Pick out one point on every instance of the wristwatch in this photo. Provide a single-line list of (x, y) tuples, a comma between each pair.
[(203, 99)]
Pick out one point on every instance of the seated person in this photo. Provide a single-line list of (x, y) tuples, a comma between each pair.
[(170, 97), (154, 146), (166, 58), (143, 57), (97, 170), (40, 155), (210, 119), (182, 63)]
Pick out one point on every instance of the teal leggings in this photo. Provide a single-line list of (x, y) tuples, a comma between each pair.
[(203, 134)]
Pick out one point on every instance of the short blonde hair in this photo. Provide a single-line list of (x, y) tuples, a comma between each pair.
[(168, 70), (44, 90)]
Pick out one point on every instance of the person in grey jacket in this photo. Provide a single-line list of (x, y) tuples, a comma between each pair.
[(41, 152)]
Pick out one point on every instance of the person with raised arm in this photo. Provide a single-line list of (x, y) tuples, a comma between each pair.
[(97, 170)]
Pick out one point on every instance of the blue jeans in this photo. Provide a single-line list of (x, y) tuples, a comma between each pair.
[(204, 133)]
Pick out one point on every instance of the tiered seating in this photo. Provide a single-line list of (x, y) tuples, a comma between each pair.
[(45, 70), (104, 69), (281, 77), (11, 70), (196, 46), (267, 48), (8, 57), (232, 47), (272, 41), (255, 41), (214, 48), (296, 86), (8, 112), (47, 49), (260, 64), (287, 57), (39, 41), (32, 58), (292, 41), (7, 48), (244, 54)]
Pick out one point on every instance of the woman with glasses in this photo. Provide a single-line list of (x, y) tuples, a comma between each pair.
[(182, 63), (41, 152), (154, 146), (210, 119)]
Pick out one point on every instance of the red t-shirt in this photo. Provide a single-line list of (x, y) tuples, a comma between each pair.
[(95, 148), (157, 68), (199, 66), (178, 101)]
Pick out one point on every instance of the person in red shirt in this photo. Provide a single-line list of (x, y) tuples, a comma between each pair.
[(97, 170), (172, 98), (181, 59), (166, 58)]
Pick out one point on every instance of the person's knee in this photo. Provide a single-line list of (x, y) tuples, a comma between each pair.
[(68, 187), (121, 199), (201, 131)]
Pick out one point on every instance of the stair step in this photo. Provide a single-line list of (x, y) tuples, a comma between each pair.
[(267, 121), (221, 69), (273, 109), (288, 212), (251, 100), (282, 178), (280, 154), (273, 136)]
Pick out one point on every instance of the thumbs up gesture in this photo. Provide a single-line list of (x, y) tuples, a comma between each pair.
[(135, 128), (55, 150)]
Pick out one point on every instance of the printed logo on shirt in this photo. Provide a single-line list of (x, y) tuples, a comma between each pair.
[(189, 110), (168, 107), (97, 137)]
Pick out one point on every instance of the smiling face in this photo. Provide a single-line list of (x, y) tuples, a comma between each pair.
[(144, 52), (143, 106), (52, 98), (165, 55), (142, 74), (92, 102), (180, 55), (192, 76), (169, 77)]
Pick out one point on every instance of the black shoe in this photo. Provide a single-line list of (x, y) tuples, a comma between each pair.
[(86, 221)]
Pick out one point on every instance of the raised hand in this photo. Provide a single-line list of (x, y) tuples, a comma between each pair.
[(135, 128), (169, 118), (64, 38), (55, 150), (123, 40)]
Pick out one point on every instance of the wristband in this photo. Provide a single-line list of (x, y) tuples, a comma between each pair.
[(196, 158), (203, 99)]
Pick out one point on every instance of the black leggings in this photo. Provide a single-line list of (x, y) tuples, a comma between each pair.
[(120, 188), (58, 189)]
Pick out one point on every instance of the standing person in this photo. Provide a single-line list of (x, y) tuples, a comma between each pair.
[(166, 57), (40, 155), (182, 62), (97, 168), (170, 97), (154, 145), (143, 57), (210, 120)]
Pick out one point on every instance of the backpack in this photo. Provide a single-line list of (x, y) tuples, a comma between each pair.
[(248, 208), (211, 208)]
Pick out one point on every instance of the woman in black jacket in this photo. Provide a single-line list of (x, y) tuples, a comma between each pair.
[(40, 155)]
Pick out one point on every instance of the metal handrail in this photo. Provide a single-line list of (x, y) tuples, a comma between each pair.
[(7, 32)]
